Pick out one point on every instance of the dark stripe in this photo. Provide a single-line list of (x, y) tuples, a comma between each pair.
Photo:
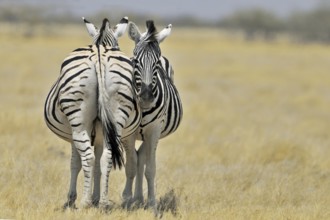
[(47, 106), (142, 136), (120, 124), (83, 151), (52, 91), (71, 119), (120, 58), (70, 100), (68, 71), (99, 58), (67, 89), (70, 78), (75, 125), (166, 65), (158, 103), (66, 107), (125, 96), (122, 75), (107, 49), (72, 112), (136, 113), (125, 112), (129, 107), (74, 92), (66, 62), (81, 141), (169, 113)]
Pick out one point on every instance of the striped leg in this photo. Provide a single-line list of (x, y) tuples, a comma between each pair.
[(150, 171), (106, 165), (97, 175), (83, 145), (130, 170), (75, 169)]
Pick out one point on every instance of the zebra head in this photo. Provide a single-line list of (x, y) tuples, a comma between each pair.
[(146, 60), (106, 35)]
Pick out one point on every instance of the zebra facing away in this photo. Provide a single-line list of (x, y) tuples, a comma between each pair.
[(93, 106), (160, 104)]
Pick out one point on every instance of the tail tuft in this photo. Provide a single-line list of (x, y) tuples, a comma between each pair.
[(111, 138)]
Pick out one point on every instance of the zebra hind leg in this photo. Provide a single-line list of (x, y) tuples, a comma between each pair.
[(97, 176), (106, 166), (83, 145), (75, 169)]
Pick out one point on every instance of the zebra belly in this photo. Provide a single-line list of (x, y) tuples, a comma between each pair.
[(58, 124)]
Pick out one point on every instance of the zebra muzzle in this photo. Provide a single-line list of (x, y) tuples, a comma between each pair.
[(146, 94)]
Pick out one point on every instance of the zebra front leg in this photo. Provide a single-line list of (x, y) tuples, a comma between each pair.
[(150, 170), (141, 157), (83, 145), (130, 170), (75, 169)]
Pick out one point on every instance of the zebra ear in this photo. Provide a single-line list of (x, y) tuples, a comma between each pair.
[(134, 32), (121, 27), (164, 33), (91, 28)]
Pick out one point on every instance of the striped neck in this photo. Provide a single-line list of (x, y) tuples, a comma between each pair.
[(106, 36)]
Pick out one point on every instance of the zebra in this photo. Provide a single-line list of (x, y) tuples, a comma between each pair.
[(93, 105), (160, 119), (160, 104)]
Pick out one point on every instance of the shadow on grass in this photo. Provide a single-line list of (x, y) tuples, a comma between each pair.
[(168, 203)]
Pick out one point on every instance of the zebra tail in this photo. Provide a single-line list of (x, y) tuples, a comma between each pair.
[(110, 133)]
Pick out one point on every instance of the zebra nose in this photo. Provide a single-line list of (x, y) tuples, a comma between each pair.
[(146, 93)]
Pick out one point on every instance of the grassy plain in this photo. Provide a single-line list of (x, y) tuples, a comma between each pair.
[(254, 142)]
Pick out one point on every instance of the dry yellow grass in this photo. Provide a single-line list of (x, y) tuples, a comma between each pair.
[(254, 142)]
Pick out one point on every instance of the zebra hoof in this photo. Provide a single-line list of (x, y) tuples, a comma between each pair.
[(152, 206), (95, 202), (85, 204), (69, 206), (105, 206), (127, 203)]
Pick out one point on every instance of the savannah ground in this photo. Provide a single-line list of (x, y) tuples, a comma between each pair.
[(254, 142)]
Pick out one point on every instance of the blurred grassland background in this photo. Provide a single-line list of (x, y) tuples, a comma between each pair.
[(253, 143)]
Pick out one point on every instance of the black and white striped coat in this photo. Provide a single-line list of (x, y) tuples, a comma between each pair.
[(160, 104), (93, 105)]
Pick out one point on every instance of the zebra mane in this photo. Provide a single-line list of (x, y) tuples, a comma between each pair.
[(149, 42), (151, 35), (106, 35)]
